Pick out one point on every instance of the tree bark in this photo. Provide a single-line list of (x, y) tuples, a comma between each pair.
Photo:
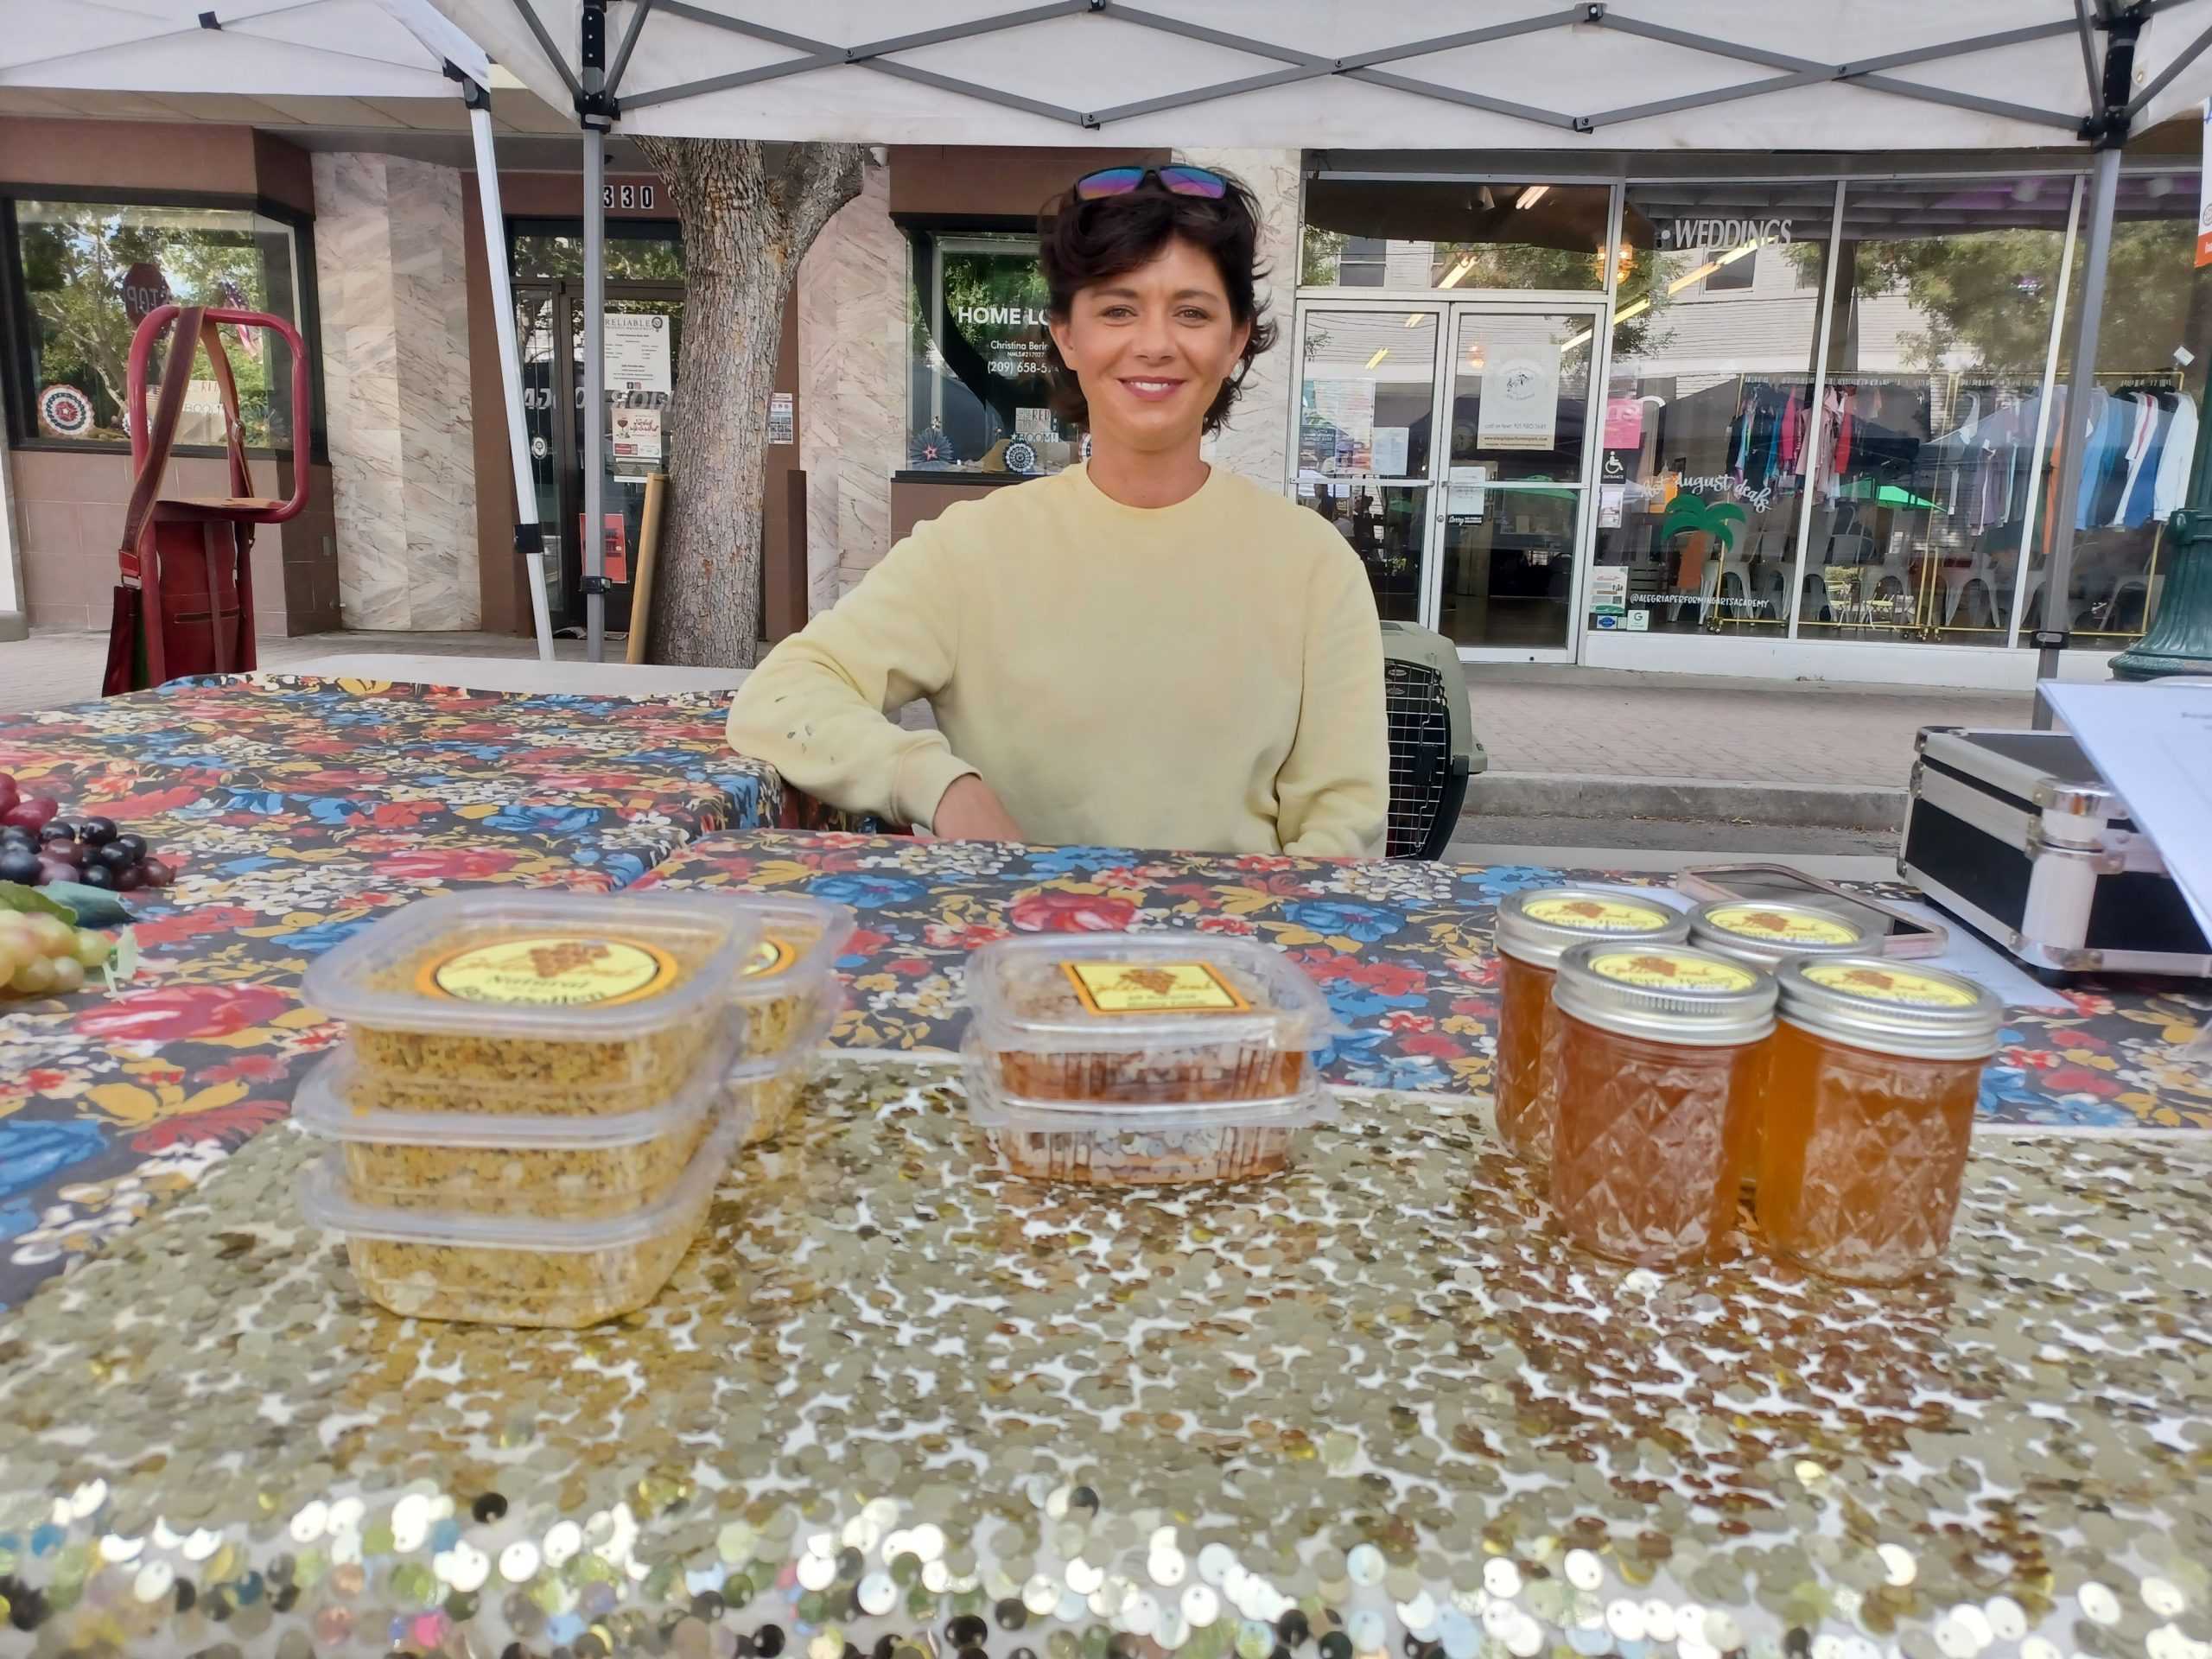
[(746, 228)]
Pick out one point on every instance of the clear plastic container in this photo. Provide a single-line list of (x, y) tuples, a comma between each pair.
[(518, 1270), (1131, 1144), (602, 1004), (498, 1162), (790, 994), (768, 1090), (1161, 1019)]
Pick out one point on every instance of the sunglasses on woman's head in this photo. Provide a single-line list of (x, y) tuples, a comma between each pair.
[(1176, 181)]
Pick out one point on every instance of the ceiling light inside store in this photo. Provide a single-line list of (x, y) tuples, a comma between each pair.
[(1532, 195), (1457, 274), (1380, 354), (1414, 319)]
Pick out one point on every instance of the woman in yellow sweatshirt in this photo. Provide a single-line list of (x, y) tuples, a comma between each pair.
[(1142, 650)]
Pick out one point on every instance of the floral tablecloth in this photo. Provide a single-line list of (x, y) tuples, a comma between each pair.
[(1402, 949), (296, 809)]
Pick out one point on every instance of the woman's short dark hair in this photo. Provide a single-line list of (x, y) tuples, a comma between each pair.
[(1086, 243)]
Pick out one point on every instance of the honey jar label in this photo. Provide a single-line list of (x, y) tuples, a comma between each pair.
[(551, 970), (1783, 926), (1671, 970), (770, 957), (1588, 913), (1894, 985), (1110, 987)]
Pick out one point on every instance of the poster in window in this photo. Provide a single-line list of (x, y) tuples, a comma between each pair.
[(988, 353), (636, 433), (1519, 406), (783, 420), (637, 354), (1336, 427)]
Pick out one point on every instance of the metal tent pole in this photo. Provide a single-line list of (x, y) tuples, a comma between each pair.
[(530, 535), (2058, 569), (593, 106)]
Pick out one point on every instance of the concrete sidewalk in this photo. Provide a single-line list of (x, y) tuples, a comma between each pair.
[(1601, 743)]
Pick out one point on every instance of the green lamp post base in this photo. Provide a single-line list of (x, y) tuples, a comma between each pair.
[(2179, 640)]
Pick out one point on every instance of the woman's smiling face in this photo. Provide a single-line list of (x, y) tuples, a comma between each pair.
[(1151, 348)]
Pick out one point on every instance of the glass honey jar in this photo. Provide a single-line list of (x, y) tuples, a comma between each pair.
[(1533, 928), (1870, 1089), (1767, 933), (1654, 1056)]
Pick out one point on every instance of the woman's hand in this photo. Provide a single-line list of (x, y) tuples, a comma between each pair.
[(972, 811)]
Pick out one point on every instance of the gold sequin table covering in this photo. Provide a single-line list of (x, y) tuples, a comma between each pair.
[(897, 1402)]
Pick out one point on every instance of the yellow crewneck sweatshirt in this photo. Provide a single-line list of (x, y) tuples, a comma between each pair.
[(1206, 676)]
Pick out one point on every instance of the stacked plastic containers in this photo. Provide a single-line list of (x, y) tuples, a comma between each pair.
[(540, 1091), (1143, 1058)]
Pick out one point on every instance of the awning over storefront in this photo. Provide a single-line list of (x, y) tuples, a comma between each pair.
[(263, 49)]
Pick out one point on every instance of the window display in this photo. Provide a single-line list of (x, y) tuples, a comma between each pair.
[(1711, 432), (978, 390), (1927, 482), (87, 273)]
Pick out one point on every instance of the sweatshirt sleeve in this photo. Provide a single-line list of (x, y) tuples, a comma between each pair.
[(818, 708), (1333, 792)]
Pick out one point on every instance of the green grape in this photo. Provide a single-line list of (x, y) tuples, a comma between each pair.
[(15, 949), (93, 949), (32, 978), (68, 974), (51, 934)]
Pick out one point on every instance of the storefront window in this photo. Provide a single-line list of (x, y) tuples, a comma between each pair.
[(1704, 455), (1369, 233), (1927, 484), (978, 389), (2136, 447), (87, 273)]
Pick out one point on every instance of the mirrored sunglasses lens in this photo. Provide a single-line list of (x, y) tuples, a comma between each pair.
[(1111, 181)]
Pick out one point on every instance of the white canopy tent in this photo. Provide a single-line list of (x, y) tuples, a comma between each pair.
[(1753, 75), (333, 49)]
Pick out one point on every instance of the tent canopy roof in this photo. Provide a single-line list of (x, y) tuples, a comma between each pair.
[(1433, 75), (348, 48)]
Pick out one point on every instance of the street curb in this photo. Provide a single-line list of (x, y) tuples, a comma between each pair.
[(1575, 795)]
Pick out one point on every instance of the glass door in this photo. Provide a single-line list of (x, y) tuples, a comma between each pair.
[(1367, 384), (1512, 513), (544, 411)]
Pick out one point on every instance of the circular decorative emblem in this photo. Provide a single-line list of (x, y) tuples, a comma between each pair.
[(1020, 456), (65, 411)]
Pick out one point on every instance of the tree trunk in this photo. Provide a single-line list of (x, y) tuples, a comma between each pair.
[(745, 230)]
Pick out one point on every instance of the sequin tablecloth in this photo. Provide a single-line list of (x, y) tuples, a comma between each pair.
[(1402, 949), (296, 809), (897, 1402)]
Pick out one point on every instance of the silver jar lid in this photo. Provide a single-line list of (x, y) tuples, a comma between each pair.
[(1891, 1007), (1765, 933), (1536, 927), (1667, 992)]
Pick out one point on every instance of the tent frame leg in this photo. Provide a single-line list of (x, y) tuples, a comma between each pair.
[(593, 65), (530, 535)]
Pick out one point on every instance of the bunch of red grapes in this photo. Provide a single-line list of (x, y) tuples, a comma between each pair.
[(38, 846)]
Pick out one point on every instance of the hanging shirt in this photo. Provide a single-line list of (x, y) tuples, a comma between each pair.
[(2179, 453), (2142, 441)]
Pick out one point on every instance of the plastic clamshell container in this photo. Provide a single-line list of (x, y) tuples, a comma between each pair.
[(599, 1003), (1140, 1144), (517, 1270), (555, 1167), (1164, 1018), (790, 994), (767, 1089)]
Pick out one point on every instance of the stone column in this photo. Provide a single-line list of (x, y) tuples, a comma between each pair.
[(853, 294), (1257, 440), (390, 261)]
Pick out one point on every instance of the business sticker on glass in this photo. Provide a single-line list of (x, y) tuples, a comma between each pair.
[(1520, 399)]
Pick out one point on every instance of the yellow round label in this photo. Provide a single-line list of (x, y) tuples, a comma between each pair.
[(1901, 986), (1590, 913), (1662, 969), (770, 956), (551, 970), (1783, 926)]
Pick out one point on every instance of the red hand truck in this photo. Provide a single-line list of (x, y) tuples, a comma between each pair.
[(184, 602)]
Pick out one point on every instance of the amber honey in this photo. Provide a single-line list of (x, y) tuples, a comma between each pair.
[(1534, 929), (1655, 1046), (1870, 1087)]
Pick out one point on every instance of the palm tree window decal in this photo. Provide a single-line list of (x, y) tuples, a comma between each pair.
[(1693, 515)]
